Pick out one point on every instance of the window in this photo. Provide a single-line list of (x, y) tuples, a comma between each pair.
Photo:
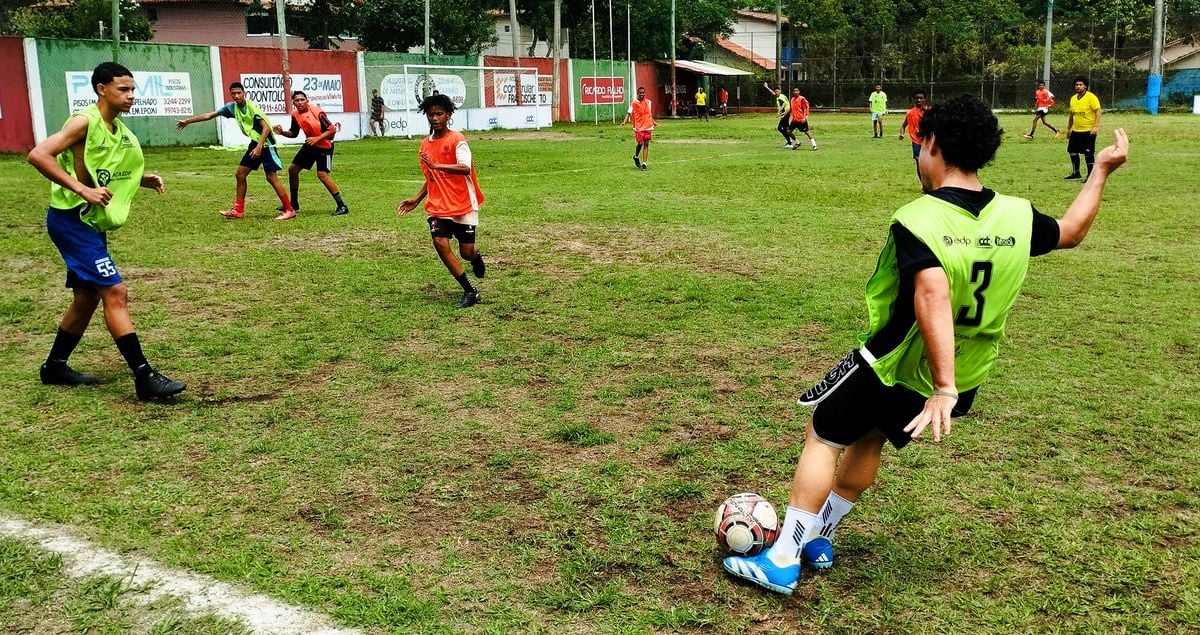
[(259, 22)]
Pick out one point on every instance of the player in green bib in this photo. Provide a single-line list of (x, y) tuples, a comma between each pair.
[(95, 166), (783, 108), (946, 279), (253, 122)]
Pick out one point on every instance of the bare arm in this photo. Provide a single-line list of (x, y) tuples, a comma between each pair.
[(279, 130), (1073, 227), (626, 119), (936, 321), (409, 204), (452, 168), (183, 123), (43, 156), (1096, 126)]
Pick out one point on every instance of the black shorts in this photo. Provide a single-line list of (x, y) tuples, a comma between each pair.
[(862, 403), (446, 228), (377, 117), (1081, 143), (268, 159), (308, 155), (802, 126)]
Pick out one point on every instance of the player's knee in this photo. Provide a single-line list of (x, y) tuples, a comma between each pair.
[(115, 297)]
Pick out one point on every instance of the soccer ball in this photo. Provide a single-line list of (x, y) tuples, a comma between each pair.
[(746, 524)]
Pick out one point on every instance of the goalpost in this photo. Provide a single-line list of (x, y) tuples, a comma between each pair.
[(485, 97)]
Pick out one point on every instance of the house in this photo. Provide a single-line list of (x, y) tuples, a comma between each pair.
[(752, 46), (1181, 54), (504, 39), (220, 23)]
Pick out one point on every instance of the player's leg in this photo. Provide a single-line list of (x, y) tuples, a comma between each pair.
[(783, 130), (149, 383), (294, 171), (74, 322), (1037, 114), (645, 152), (470, 251), (855, 474), (239, 193), (323, 168), (1075, 146), (1047, 124), (441, 230), (1089, 154)]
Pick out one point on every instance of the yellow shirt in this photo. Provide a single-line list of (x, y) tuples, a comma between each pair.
[(1084, 111), (701, 98)]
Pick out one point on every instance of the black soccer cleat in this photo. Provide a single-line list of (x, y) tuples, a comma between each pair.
[(1072, 177), (477, 266), (156, 385), (279, 208), (341, 210), (59, 374), (637, 163), (469, 299), (643, 167)]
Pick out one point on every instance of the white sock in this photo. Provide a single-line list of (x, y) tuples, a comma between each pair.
[(798, 528), (832, 512), (813, 142)]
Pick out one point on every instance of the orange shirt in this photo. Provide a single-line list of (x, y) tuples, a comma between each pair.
[(799, 108), (1044, 98), (642, 116), (913, 120), (310, 123), (449, 194)]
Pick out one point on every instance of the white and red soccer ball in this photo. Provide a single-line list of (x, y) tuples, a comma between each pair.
[(746, 524)]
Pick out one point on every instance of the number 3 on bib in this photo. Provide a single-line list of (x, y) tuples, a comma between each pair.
[(981, 274)]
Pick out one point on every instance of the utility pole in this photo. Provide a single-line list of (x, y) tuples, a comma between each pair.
[(426, 33), (515, 28), (1049, 37), (281, 22), (1154, 82), (779, 43), (116, 29), (557, 56), (674, 113)]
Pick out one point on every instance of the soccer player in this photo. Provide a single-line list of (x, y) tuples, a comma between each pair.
[(784, 108), (701, 103), (911, 123), (317, 149), (95, 166), (454, 195), (641, 112), (1084, 124), (377, 114), (945, 282), (261, 151), (723, 101), (799, 120), (1043, 99), (878, 102)]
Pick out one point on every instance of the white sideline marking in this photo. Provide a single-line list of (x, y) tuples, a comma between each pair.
[(200, 594)]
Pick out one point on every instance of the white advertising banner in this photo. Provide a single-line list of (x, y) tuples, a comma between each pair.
[(266, 90), (504, 90), (158, 94), (403, 92)]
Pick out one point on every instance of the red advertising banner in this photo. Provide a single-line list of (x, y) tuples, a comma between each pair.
[(16, 123), (601, 90)]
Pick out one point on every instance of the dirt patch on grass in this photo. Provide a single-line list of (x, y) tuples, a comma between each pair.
[(333, 244), (699, 142), (526, 136)]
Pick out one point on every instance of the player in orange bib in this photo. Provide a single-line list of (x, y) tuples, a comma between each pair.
[(911, 123), (453, 195), (1043, 100), (641, 111), (799, 113), (317, 149)]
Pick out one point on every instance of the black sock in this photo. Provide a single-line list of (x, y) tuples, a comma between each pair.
[(1052, 128), (637, 151), (1090, 161), (131, 350), (337, 198), (464, 283), (478, 258), (296, 197), (64, 345), (1074, 164)]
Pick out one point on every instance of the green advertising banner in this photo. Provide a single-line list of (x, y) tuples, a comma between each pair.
[(173, 82), (385, 73), (602, 90)]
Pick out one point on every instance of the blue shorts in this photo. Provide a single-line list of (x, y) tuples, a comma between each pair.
[(83, 249), (916, 150), (876, 116), (268, 159)]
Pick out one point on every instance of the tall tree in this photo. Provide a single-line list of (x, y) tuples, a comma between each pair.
[(458, 27), (81, 19)]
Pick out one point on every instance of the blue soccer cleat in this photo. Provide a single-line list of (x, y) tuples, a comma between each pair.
[(761, 571), (818, 552)]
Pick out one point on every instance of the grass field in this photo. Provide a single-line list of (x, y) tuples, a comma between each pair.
[(549, 460)]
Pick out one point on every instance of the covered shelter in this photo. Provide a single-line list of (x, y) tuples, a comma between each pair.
[(691, 74)]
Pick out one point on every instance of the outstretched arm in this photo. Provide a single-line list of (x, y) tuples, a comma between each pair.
[(931, 303), (409, 204), (180, 124), (1074, 225)]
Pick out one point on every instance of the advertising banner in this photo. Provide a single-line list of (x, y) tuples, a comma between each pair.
[(158, 93), (404, 92), (504, 88), (266, 89), (601, 90)]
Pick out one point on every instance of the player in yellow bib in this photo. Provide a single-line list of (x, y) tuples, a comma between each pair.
[(947, 277), (95, 166)]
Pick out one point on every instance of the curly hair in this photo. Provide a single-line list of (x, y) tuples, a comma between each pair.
[(967, 132), (437, 100)]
